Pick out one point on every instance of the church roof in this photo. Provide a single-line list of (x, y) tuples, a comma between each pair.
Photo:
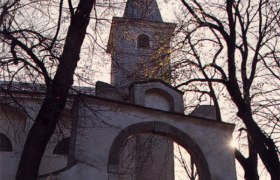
[(25, 87), (146, 10)]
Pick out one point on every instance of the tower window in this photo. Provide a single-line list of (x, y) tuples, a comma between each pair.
[(143, 41), (62, 147), (5, 144)]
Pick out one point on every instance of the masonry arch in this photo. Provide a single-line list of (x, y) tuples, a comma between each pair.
[(163, 129)]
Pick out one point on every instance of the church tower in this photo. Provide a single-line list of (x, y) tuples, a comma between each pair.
[(139, 44)]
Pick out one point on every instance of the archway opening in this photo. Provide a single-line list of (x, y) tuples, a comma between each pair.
[(151, 156), (184, 166), (146, 151)]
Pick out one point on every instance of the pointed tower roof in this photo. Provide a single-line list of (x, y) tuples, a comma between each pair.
[(146, 10)]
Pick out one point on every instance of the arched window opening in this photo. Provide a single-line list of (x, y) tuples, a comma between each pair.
[(158, 99), (143, 41), (62, 148), (5, 144)]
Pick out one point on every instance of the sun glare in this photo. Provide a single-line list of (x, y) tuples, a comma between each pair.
[(233, 143)]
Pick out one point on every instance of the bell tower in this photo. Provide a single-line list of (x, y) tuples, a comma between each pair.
[(139, 44)]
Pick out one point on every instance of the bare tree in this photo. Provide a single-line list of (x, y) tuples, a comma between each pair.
[(225, 51), (44, 57)]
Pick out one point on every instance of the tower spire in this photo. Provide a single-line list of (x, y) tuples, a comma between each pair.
[(146, 10)]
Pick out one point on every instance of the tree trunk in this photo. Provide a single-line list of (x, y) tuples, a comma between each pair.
[(251, 173), (37, 140), (263, 145), (250, 164), (56, 96)]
